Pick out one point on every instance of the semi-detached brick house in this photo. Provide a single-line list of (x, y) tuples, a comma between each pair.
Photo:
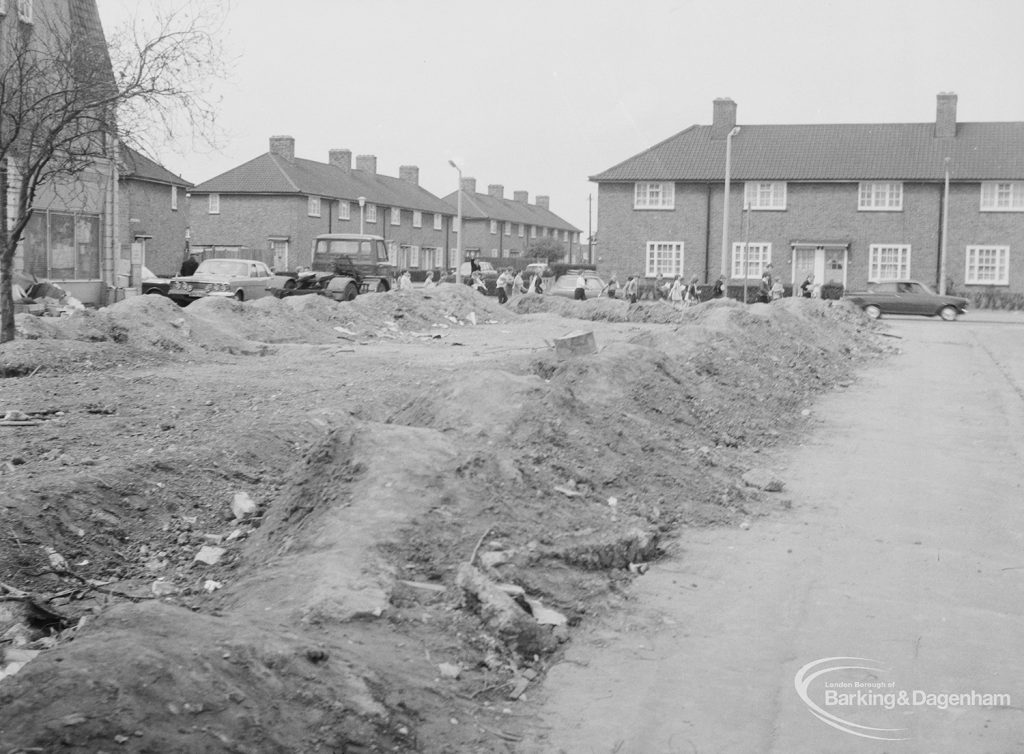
[(498, 228), (850, 203), (153, 211), (273, 206)]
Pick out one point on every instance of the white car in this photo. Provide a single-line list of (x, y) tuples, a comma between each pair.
[(241, 279)]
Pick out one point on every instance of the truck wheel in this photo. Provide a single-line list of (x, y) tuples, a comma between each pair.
[(350, 292), (382, 287)]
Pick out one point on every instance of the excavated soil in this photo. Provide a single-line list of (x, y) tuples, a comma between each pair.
[(385, 443)]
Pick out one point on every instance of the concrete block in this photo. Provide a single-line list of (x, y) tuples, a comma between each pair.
[(575, 344)]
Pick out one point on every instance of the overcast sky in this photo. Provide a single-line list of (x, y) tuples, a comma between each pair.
[(538, 95)]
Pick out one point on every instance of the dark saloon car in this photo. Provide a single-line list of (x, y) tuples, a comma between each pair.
[(906, 297), (565, 285)]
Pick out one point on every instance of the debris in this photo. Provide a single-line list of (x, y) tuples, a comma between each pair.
[(545, 616), (212, 586), (640, 568), (162, 588), (57, 561), (494, 558), (763, 479), (209, 555), (448, 670), (502, 614), (424, 586), (519, 688), (243, 506), (567, 491), (577, 343)]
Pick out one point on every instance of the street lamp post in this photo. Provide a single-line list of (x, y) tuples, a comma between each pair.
[(725, 199), (362, 205), (458, 228)]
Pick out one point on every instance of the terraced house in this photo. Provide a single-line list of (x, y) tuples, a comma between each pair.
[(941, 202), (273, 206), (498, 228)]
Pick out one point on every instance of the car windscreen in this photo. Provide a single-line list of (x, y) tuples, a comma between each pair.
[(227, 267)]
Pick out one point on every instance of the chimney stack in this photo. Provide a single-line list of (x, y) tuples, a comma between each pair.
[(410, 174), (945, 117), (340, 158), (543, 201), (469, 185), (496, 190), (283, 146), (521, 196), (367, 163), (724, 118)]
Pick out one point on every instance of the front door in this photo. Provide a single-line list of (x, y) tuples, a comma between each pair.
[(826, 263)]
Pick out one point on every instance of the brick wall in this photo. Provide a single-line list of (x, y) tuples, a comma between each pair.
[(145, 208)]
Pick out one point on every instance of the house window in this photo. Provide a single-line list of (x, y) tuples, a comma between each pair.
[(665, 257), (62, 246), (522, 229), (885, 196), (437, 221), (533, 231), (765, 195), (396, 216), (371, 213), (417, 219), (344, 210), (3, 7), (313, 207), (213, 204), (507, 228), (654, 195), (750, 264), (174, 198), (988, 265), (1002, 196), (494, 227), (25, 11), (888, 262)]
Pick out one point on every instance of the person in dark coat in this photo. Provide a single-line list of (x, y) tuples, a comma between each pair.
[(189, 266)]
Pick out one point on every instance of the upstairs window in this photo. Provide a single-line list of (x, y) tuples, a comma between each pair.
[(494, 227), (213, 204), (174, 198), (765, 195), (885, 196), (344, 210), (25, 11), (396, 216), (508, 229), (417, 219), (888, 262), (660, 195), (313, 207), (988, 265), (1002, 196), (522, 229), (371, 213), (533, 231), (437, 221)]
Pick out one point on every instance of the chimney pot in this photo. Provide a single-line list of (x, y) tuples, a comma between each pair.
[(496, 190), (724, 118), (283, 146), (945, 117), (544, 201), (521, 196), (409, 173), (367, 163), (340, 158)]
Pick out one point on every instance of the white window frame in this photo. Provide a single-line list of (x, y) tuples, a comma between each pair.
[(417, 219), (1002, 196), (437, 220), (25, 11), (878, 268), (759, 256), (508, 228), (494, 227), (313, 206), (522, 229), (213, 204), (174, 198), (764, 195), (3, 7), (880, 196), (656, 254), (344, 210), (396, 216), (371, 213), (533, 231), (973, 266), (654, 195)]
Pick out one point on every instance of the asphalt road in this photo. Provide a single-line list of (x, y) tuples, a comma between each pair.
[(903, 553)]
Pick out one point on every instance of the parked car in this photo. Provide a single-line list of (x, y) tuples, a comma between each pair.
[(344, 265), (242, 279), (152, 283), (565, 285), (906, 297)]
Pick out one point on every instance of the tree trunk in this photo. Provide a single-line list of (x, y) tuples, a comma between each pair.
[(6, 264)]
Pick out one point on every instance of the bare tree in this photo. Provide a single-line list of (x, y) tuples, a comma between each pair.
[(68, 99)]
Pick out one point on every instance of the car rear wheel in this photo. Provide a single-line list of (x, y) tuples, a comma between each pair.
[(872, 311), (948, 313), (240, 295)]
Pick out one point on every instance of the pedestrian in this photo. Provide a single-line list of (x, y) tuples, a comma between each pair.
[(474, 266), (535, 284), (719, 290), (518, 285), (405, 281), (499, 287), (579, 293), (807, 287), (631, 291), (188, 267), (611, 287), (509, 277), (660, 287), (477, 281), (777, 290), (691, 295), (429, 281), (765, 291), (675, 292)]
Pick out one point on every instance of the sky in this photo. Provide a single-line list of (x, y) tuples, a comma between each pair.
[(538, 95)]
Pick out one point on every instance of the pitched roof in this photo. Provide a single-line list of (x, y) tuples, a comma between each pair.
[(832, 152), (273, 174), (134, 164), (486, 207)]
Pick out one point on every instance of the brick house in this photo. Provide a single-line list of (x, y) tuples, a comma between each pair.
[(849, 203), (273, 206), (153, 211), (498, 228)]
